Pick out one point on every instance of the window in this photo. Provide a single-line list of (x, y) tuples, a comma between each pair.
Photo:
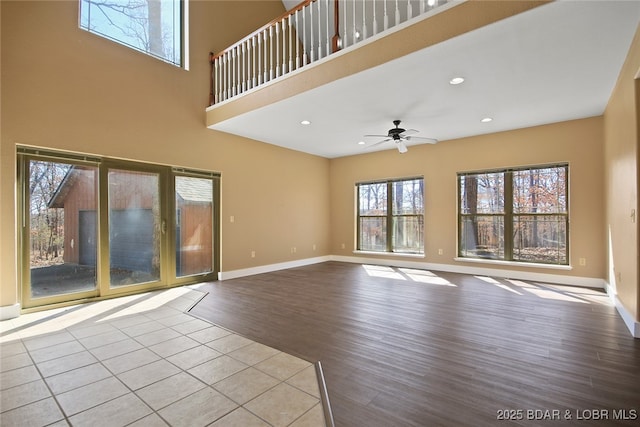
[(515, 214), (391, 216), (151, 26)]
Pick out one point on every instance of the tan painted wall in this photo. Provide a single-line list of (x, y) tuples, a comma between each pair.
[(621, 182), (577, 142), (66, 89)]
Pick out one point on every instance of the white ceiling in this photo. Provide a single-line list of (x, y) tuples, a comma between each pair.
[(554, 63)]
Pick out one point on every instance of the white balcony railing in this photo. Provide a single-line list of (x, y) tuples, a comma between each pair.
[(303, 35)]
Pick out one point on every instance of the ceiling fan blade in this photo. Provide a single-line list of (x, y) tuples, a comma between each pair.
[(376, 136), (420, 138), (402, 148), (379, 142), (409, 132)]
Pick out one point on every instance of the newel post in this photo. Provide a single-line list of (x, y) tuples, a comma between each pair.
[(335, 40), (211, 97)]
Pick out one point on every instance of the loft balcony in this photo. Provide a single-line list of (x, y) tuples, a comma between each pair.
[(351, 67)]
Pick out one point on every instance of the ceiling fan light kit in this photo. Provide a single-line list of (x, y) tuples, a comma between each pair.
[(399, 136)]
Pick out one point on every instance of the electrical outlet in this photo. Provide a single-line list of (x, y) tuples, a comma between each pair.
[(440, 252), (343, 246), (582, 261), (314, 246), (253, 254), (232, 218)]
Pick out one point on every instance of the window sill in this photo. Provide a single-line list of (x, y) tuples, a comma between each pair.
[(393, 254), (514, 263)]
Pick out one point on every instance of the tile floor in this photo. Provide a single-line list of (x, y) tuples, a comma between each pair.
[(142, 361)]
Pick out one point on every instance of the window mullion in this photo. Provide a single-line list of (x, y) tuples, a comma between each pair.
[(390, 197), (508, 216)]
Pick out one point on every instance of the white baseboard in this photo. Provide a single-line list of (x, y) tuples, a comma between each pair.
[(632, 324), (9, 311), (590, 282), (234, 274)]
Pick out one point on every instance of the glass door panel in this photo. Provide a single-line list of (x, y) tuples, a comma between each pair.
[(135, 227), (193, 225), (62, 235)]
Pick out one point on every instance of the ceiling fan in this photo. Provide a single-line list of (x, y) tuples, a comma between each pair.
[(399, 135)]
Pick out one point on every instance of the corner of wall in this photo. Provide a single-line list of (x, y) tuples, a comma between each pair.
[(9, 311), (632, 324)]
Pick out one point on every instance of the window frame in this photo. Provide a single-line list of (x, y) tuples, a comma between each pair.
[(182, 57), (509, 214), (389, 216)]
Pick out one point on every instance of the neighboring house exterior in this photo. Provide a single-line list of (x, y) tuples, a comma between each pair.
[(133, 205)]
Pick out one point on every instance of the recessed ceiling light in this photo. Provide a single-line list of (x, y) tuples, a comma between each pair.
[(305, 122), (486, 120), (456, 80), (361, 143)]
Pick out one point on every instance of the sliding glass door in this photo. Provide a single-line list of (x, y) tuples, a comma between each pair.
[(102, 227)]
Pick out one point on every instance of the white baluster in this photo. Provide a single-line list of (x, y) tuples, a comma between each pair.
[(284, 46), (319, 30), (364, 20), (345, 42), (277, 27), (423, 6), (397, 14), (355, 31), (297, 41), (243, 66), (215, 81), (253, 62), (271, 53), (386, 16), (409, 10), (225, 76), (304, 38), (375, 21), (311, 48), (290, 43), (264, 56), (233, 72), (327, 15)]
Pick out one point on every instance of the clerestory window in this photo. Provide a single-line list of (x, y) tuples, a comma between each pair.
[(155, 27)]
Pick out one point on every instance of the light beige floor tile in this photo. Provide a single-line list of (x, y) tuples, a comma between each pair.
[(217, 369), (173, 346), (245, 385), (116, 349), (253, 353), (129, 321), (126, 362), (66, 363), (15, 361), (12, 348), (160, 313), (281, 405), (199, 409), (282, 366), (91, 330), (157, 337), (22, 395), (148, 374), (229, 343), (209, 334), (191, 326), (170, 390), (117, 412), (47, 340), (61, 423), (240, 418), (152, 420), (88, 396), (175, 319), (306, 380), (18, 376), (55, 351), (40, 413), (103, 339), (142, 328), (193, 357), (312, 418), (77, 378)]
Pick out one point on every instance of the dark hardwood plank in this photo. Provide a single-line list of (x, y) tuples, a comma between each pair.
[(408, 348)]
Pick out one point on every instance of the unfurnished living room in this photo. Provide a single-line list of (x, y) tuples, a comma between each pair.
[(319, 213)]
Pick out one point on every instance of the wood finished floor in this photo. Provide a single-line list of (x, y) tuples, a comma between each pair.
[(401, 347)]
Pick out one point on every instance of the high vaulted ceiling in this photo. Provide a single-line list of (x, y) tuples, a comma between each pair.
[(556, 62)]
